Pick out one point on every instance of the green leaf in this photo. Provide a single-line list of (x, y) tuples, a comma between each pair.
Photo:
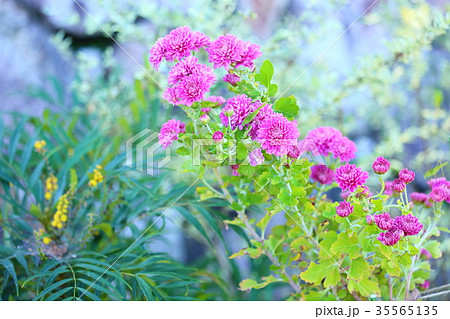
[(433, 247), (73, 178), (192, 220), (287, 106), (327, 269), (9, 266), (52, 287), (286, 198), (359, 268), (265, 74), (251, 284), (346, 244), (365, 287)]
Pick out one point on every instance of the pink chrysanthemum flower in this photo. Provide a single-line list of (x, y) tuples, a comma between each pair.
[(170, 131), (228, 50), (409, 224), (217, 136), (406, 175), (322, 174), (157, 53), (187, 67), (381, 165), (391, 237), (441, 193), (277, 134), (240, 107), (256, 157), (294, 152), (233, 79), (263, 113), (440, 190), (344, 149), (251, 53), (170, 95), (320, 140), (190, 89), (224, 51), (384, 221), (398, 185), (350, 177), (418, 197), (177, 45), (219, 100), (436, 182), (344, 209)]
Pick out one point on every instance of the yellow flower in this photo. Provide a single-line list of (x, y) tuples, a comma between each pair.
[(47, 240), (50, 186), (39, 145), (96, 177), (60, 216)]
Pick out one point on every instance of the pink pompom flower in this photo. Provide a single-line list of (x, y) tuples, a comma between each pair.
[(384, 221), (344, 149), (398, 185), (189, 89), (239, 107), (277, 134), (322, 174), (391, 237), (344, 209), (170, 131), (217, 136), (228, 51), (381, 165), (406, 175), (350, 177), (409, 224), (177, 45)]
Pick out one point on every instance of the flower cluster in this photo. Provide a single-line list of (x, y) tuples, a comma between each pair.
[(328, 140), (404, 225), (60, 216), (96, 177), (50, 186)]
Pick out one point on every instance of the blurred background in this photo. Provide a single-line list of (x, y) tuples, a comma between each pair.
[(385, 83)]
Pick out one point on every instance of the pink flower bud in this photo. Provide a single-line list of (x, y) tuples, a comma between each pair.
[(406, 175), (381, 165), (217, 136)]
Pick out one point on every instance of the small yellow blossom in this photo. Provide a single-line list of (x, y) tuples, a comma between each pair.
[(96, 177), (50, 186), (46, 240), (60, 215), (39, 145)]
